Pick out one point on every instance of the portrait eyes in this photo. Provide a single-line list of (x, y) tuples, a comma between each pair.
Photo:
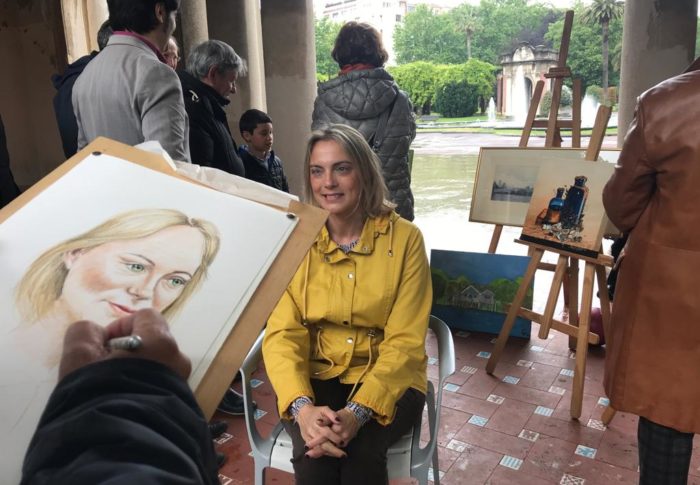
[(136, 267), (177, 282)]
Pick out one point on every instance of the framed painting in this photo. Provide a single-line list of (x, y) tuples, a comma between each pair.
[(114, 230), (471, 290), (566, 208), (505, 180)]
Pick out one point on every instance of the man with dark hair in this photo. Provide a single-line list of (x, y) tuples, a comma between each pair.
[(63, 101), (212, 69), (128, 92)]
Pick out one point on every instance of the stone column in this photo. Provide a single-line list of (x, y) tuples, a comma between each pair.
[(193, 24), (658, 43), (237, 22), (290, 71)]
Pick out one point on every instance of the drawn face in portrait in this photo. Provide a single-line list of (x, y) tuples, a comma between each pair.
[(334, 179), (117, 278)]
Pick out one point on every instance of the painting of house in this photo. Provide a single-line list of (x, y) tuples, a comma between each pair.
[(472, 291)]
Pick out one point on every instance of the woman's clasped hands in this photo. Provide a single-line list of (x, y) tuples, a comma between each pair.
[(325, 431)]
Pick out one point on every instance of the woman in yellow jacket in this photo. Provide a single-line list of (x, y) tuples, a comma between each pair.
[(345, 347)]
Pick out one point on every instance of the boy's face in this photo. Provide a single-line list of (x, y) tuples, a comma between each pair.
[(261, 138)]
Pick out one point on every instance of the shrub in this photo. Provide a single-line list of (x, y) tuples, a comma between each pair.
[(455, 99), (565, 100)]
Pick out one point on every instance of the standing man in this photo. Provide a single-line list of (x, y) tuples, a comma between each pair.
[(653, 356), (212, 69), (128, 92)]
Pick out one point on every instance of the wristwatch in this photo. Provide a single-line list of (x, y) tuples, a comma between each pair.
[(362, 413)]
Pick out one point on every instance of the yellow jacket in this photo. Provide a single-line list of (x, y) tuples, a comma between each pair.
[(361, 316)]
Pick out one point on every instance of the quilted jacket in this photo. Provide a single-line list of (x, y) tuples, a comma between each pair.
[(358, 99)]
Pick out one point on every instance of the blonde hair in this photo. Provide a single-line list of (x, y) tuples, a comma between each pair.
[(373, 191), (42, 284)]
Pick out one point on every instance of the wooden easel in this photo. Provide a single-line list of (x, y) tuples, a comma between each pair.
[(552, 124), (577, 326)]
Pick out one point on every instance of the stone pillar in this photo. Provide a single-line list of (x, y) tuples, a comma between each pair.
[(290, 71), (658, 43), (193, 24)]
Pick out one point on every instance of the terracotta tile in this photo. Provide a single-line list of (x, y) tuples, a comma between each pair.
[(479, 385), (572, 431), (511, 416), (548, 459), (540, 376), (494, 440), (468, 404), (528, 395), (589, 406), (598, 473), (505, 476), (451, 421), (619, 448), (475, 465)]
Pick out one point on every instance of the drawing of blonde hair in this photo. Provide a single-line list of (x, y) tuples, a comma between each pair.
[(42, 284)]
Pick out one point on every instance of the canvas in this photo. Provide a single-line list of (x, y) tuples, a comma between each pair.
[(471, 290), (505, 180), (566, 209), (110, 237)]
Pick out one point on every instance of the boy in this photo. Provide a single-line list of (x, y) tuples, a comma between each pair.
[(261, 163)]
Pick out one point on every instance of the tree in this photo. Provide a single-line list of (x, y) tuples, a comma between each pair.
[(326, 32), (602, 12), (426, 36), (465, 21)]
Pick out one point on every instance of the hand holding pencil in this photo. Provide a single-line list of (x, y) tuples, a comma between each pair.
[(144, 334)]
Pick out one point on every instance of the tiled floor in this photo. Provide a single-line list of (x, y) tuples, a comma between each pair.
[(510, 428)]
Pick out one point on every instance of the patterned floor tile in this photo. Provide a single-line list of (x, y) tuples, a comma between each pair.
[(526, 434), (255, 383), (604, 401), (571, 480), (478, 420), (544, 411), (223, 438), (511, 462), (511, 380), (451, 387), (596, 424), (557, 390), (468, 370), (456, 445), (567, 372), (524, 363), (495, 399), (432, 360), (586, 451), (483, 354), (536, 348)]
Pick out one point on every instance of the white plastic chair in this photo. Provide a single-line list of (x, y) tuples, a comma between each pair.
[(405, 457)]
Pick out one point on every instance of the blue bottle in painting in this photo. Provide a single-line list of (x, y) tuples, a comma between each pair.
[(555, 206), (574, 203)]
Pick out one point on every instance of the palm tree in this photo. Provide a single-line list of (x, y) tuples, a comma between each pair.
[(602, 12), (465, 19)]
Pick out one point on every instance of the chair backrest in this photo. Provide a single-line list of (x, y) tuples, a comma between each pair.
[(267, 452)]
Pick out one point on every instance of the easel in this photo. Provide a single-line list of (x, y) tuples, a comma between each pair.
[(577, 327), (553, 124)]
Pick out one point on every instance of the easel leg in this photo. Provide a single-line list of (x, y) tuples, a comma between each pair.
[(608, 414), (582, 341), (495, 237), (573, 298), (546, 322), (513, 311)]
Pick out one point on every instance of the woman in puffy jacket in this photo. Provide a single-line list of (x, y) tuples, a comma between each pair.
[(366, 97), (345, 347)]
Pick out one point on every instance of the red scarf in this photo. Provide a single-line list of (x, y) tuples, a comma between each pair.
[(355, 67)]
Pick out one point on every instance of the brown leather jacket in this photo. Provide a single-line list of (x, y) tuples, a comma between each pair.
[(653, 354)]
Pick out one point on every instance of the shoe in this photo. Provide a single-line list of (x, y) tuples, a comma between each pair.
[(232, 404), (217, 428), (220, 459)]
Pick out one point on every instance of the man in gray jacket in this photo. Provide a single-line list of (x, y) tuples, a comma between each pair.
[(128, 92)]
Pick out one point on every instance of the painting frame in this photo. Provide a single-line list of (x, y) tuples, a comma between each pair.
[(512, 213)]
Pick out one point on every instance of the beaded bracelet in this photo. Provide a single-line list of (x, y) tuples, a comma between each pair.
[(362, 413), (297, 404)]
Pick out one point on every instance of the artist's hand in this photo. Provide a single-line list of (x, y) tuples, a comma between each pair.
[(314, 424), (86, 342)]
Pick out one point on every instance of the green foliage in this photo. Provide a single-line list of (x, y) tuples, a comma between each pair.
[(440, 280), (418, 80), (456, 98), (565, 100), (595, 92), (326, 32), (585, 48), (423, 80), (425, 36)]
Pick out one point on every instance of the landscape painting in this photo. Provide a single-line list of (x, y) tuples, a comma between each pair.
[(471, 291), (513, 183)]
